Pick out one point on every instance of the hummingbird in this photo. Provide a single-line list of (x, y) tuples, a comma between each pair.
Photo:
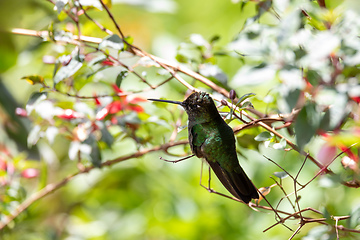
[(212, 139)]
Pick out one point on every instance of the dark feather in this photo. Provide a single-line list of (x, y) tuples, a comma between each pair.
[(238, 184)]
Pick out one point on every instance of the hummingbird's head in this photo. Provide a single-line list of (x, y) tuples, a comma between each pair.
[(197, 105), (200, 104)]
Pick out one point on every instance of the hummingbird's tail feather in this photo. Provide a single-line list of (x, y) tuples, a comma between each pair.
[(238, 184)]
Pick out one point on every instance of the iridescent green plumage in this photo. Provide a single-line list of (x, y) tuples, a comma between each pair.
[(212, 139)]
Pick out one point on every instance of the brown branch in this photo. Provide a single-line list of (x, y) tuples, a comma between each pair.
[(112, 19), (321, 3)]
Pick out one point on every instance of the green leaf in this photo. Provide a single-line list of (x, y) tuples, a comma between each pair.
[(106, 136), (263, 136), (68, 70), (214, 39), (306, 124), (120, 77), (280, 145), (112, 41), (59, 5), (181, 58), (8, 51), (95, 154), (33, 79), (244, 97), (291, 99), (128, 40), (313, 77), (354, 220), (247, 104), (280, 175), (337, 111), (325, 121)]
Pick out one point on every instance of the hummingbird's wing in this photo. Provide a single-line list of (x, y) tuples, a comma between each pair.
[(205, 145), (237, 183), (224, 179)]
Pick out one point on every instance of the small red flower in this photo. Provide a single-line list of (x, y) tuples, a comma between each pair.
[(20, 112), (30, 173), (356, 99), (70, 114)]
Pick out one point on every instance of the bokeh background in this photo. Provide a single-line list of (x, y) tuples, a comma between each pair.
[(146, 198)]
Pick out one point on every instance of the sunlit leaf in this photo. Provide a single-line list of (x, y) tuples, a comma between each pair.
[(59, 5), (280, 145), (34, 135), (68, 70), (214, 71), (34, 99), (263, 136), (112, 41), (198, 40), (281, 175), (244, 97), (91, 3)]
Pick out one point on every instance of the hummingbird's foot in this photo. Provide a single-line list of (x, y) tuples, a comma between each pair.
[(210, 190), (178, 160)]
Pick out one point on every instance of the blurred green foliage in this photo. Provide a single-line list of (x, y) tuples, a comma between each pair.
[(292, 54)]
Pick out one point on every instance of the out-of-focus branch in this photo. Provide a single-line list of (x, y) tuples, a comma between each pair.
[(55, 186)]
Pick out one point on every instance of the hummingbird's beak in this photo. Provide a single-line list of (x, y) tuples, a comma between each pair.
[(167, 101)]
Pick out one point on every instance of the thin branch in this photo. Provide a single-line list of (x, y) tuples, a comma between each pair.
[(94, 21), (112, 19)]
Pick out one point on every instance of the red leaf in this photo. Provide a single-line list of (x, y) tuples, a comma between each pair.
[(3, 165), (107, 62), (116, 88), (135, 108), (97, 102), (115, 107), (137, 99), (356, 99), (349, 152)]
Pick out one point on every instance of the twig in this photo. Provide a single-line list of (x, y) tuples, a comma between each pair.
[(112, 19)]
